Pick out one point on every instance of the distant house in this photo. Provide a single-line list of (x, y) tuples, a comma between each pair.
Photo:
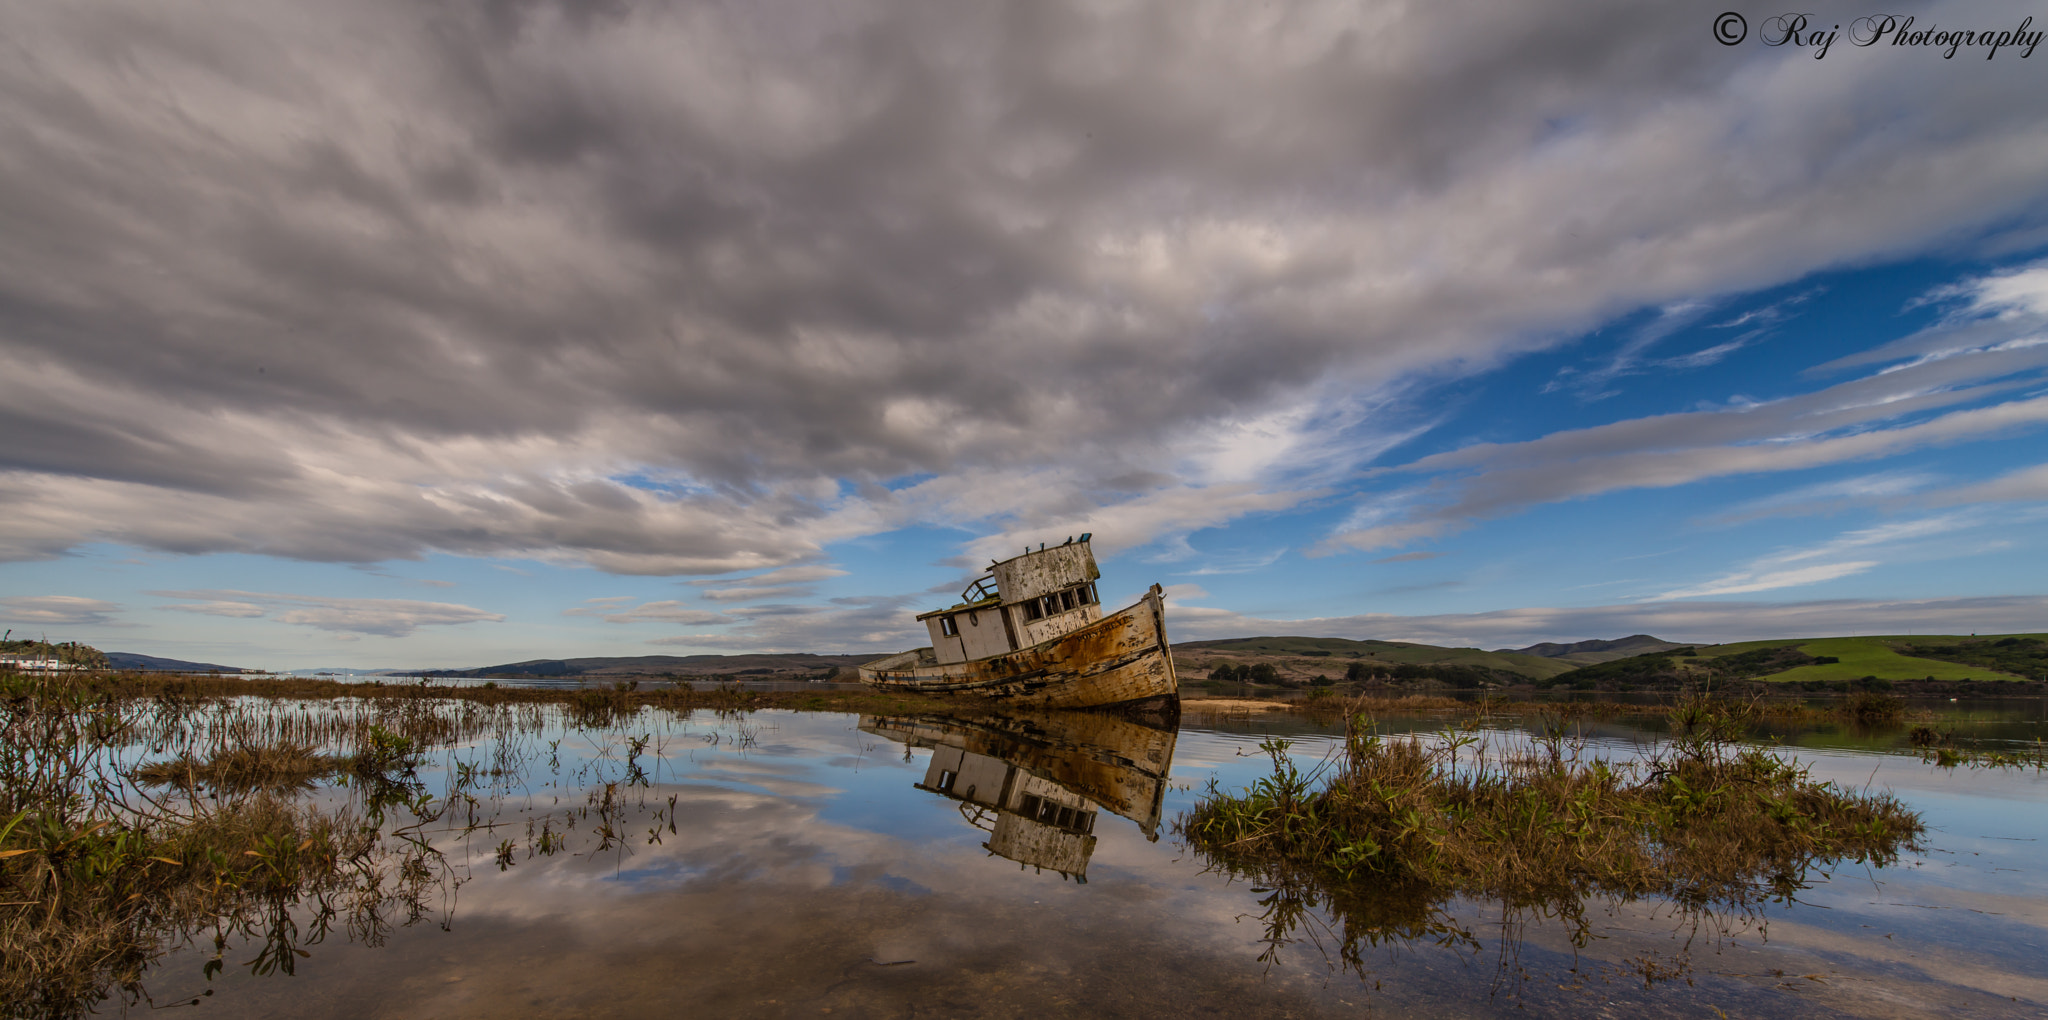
[(33, 664)]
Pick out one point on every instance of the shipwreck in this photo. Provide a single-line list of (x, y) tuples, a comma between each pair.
[(1036, 781), (1032, 632)]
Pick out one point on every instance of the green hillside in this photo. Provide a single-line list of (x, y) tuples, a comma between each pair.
[(1900, 657), (1944, 657), (1342, 651)]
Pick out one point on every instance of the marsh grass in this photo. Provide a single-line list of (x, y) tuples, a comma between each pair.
[(1872, 709), (141, 814), (284, 766), (600, 700), (98, 877), (1937, 746), (1746, 710), (1383, 837)]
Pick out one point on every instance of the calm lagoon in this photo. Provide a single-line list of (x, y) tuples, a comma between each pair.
[(782, 863)]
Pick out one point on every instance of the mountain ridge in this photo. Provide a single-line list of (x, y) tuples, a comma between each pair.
[(1593, 652)]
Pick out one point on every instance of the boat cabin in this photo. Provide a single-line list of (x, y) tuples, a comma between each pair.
[(1037, 822), (1022, 601)]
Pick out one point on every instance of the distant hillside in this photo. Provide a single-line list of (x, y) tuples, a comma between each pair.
[(136, 660), (1824, 663), (1586, 653), (763, 665), (1943, 657), (1301, 655)]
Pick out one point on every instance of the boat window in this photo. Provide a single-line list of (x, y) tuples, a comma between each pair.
[(1028, 807), (1033, 611), (1085, 594), (948, 626), (946, 780), (1066, 600)]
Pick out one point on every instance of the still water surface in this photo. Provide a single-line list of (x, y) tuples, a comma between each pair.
[(813, 864)]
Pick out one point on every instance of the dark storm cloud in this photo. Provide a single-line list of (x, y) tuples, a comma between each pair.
[(355, 282)]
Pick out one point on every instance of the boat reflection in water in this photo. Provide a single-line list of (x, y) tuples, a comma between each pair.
[(1035, 782)]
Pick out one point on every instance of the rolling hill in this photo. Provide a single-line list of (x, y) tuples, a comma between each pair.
[(1589, 652), (1332, 656), (154, 663), (1949, 657)]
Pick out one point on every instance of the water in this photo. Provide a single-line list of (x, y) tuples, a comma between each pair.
[(813, 864)]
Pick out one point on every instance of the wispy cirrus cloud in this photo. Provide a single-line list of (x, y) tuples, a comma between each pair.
[(380, 617), (1965, 395), (1792, 569), (615, 610), (877, 623), (1884, 488), (1701, 621), (58, 610), (1745, 582), (1413, 557)]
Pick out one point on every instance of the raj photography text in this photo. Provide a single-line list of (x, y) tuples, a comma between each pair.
[(1888, 30)]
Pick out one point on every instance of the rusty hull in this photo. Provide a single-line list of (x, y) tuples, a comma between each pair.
[(1116, 660)]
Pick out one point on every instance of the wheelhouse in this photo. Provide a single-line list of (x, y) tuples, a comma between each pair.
[(1022, 601)]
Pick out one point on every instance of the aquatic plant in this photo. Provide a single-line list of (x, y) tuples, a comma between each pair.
[(1539, 827)]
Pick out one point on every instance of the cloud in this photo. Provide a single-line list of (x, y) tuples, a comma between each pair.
[(1744, 582), (58, 610), (1829, 497), (238, 610), (1702, 621), (380, 617), (1776, 571), (775, 583), (786, 575), (878, 623), (1629, 358), (684, 288), (613, 610), (1241, 564), (1926, 403), (1996, 311), (2027, 484), (744, 594), (1408, 557)]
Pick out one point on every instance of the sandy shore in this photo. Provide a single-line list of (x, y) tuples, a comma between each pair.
[(1231, 705)]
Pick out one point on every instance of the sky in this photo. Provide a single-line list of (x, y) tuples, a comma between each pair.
[(400, 334)]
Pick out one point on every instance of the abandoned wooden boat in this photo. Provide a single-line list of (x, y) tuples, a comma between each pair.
[(1032, 632), (1035, 780)]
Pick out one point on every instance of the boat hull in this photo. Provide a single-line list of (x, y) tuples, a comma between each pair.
[(1117, 660), (1112, 761)]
